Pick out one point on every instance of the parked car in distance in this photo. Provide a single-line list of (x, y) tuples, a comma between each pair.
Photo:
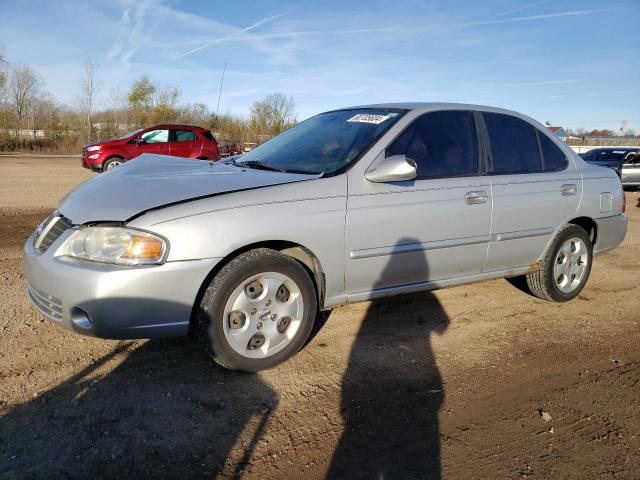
[(347, 206), (611, 157), (631, 172), (175, 140)]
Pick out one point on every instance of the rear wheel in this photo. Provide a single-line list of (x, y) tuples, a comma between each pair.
[(112, 163), (258, 311), (565, 268)]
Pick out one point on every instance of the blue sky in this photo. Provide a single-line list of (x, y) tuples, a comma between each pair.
[(574, 63)]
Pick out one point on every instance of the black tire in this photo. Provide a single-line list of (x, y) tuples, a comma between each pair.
[(109, 161), (542, 284), (209, 328)]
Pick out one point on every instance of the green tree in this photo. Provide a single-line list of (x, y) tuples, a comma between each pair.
[(141, 98)]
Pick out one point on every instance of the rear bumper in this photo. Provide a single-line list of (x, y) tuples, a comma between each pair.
[(611, 233), (111, 301)]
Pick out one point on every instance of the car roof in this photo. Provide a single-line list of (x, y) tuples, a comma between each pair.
[(597, 149), (426, 106), (175, 125)]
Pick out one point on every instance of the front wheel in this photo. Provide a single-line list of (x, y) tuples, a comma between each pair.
[(258, 311), (113, 162), (565, 268)]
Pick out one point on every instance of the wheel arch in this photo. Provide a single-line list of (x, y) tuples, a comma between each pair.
[(590, 226), (587, 223), (294, 250)]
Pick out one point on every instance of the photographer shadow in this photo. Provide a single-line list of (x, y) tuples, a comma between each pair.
[(392, 389)]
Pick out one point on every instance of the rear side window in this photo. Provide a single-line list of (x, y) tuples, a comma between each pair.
[(185, 136), (443, 144), (514, 144), (553, 158)]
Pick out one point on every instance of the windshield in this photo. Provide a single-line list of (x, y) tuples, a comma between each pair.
[(325, 143), (127, 135)]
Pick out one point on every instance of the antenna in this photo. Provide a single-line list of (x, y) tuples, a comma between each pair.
[(221, 83)]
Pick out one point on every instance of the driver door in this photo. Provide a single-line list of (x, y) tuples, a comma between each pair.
[(435, 227)]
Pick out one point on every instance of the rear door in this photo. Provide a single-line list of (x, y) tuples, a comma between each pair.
[(155, 141), (185, 143), (535, 189)]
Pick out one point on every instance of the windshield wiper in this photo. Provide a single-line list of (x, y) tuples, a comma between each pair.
[(259, 165)]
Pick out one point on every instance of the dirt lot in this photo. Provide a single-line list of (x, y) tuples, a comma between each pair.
[(451, 384)]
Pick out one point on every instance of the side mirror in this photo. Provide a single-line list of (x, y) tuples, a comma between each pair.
[(138, 141), (392, 169)]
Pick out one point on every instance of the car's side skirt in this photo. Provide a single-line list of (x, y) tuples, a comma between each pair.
[(433, 284)]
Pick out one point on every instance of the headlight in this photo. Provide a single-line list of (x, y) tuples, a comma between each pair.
[(119, 245), (93, 149)]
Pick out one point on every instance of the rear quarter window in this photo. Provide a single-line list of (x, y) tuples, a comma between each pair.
[(208, 135), (553, 158)]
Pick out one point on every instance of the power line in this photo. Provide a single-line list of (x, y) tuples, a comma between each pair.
[(220, 92)]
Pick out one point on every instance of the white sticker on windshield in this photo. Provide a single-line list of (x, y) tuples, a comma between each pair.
[(368, 118)]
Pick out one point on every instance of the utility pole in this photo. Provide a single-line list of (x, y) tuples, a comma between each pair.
[(220, 92)]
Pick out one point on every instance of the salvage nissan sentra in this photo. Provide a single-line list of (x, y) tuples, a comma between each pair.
[(349, 205)]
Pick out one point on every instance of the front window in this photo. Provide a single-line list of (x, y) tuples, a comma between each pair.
[(127, 135), (443, 144), (326, 143), (156, 136)]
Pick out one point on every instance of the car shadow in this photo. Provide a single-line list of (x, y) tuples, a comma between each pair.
[(392, 389), (163, 408), (165, 411)]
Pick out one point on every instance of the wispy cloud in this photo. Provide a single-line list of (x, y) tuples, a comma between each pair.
[(519, 9), (545, 16), (239, 33), (132, 31), (529, 84)]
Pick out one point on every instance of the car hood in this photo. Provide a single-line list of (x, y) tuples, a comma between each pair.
[(106, 143), (154, 181)]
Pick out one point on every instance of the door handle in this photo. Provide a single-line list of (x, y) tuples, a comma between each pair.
[(568, 189), (475, 197)]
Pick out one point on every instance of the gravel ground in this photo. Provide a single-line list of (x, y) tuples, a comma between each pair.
[(478, 381)]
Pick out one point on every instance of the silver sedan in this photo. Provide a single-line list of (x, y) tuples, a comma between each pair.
[(349, 205)]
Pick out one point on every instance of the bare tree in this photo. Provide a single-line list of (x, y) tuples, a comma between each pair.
[(24, 86), (89, 89), (4, 75), (273, 114)]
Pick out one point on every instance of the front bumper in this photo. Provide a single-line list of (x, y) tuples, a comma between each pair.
[(94, 164), (111, 301)]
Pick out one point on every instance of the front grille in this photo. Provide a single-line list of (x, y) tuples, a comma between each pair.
[(52, 231), (49, 306)]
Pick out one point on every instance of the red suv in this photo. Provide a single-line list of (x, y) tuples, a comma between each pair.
[(177, 140)]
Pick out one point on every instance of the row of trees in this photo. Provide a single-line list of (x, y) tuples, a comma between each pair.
[(31, 118)]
